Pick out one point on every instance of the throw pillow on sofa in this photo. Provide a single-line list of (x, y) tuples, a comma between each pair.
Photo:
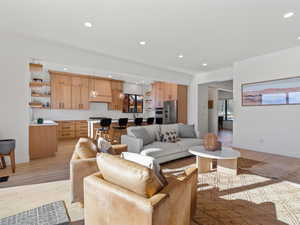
[(148, 162), (186, 131), (103, 145), (169, 136), (141, 132)]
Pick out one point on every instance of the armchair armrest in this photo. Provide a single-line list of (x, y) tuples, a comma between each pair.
[(134, 144), (79, 169)]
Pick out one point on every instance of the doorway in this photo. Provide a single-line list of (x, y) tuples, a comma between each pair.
[(221, 110)]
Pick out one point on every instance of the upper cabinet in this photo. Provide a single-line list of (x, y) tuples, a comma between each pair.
[(100, 90), (117, 98), (158, 94), (182, 98), (61, 86), (162, 91), (80, 92)]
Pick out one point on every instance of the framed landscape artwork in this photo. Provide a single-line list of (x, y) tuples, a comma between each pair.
[(274, 92)]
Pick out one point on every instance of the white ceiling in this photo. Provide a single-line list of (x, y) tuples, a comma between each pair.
[(218, 32)]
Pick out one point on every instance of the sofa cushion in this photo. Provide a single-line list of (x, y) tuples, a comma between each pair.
[(103, 145), (168, 127), (186, 131), (186, 143), (85, 148), (169, 136), (154, 131), (129, 175), (163, 149), (141, 132), (148, 162)]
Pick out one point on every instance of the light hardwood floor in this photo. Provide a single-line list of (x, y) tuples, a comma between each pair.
[(30, 185)]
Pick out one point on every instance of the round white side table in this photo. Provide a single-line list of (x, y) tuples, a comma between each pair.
[(227, 159)]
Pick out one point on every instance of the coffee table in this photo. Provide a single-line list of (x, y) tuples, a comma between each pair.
[(227, 159)]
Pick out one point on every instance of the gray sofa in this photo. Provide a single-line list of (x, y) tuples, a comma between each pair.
[(162, 151)]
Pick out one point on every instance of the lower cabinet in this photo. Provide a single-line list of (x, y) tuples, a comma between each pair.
[(42, 141), (72, 129)]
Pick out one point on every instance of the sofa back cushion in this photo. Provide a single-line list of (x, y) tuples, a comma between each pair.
[(169, 127), (85, 148), (186, 131), (128, 175), (142, 133)]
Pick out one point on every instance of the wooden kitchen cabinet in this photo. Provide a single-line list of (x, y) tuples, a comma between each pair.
[(61, 86), (81, 128), (100, 90), (170, 92), (42, 141), (80, 93), (182, 98), (163, 91), (117, 99), (158, 94), (68, 129)]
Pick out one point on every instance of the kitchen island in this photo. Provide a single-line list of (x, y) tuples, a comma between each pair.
[(42, 139)]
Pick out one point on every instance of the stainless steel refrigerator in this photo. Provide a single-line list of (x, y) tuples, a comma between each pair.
[(170, 112)]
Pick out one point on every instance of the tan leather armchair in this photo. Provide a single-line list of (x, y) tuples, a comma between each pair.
[(107, 203), (83, 163)]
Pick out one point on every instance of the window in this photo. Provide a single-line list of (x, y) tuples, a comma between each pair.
[(226, 109)]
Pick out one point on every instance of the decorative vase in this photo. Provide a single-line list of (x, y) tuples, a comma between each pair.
[(211, 143)]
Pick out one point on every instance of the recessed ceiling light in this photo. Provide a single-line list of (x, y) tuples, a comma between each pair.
[(204, 64), (180, 56), (142, 42), (288, 15), (299, 38), (88, 24), (65, 69)]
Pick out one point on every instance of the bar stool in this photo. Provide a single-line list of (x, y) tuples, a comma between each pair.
[(7, 148), (150, 120), (159, 120), (122, 125), (103, 131), (138, 121)]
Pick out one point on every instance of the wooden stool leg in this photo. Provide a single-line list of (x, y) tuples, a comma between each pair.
[(3, 162), (13, 161)]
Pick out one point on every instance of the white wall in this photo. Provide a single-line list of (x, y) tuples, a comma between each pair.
[(14, 97), (14, 92), (273, 129), (202, 110)]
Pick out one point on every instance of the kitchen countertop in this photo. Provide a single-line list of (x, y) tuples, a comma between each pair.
[(113, 120), (46, 123)]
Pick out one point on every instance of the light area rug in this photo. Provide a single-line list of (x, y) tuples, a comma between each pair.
[(15, 200), (246, 199)]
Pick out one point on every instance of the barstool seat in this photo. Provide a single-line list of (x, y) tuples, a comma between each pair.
[(150, 120), (103, 130), (7, 148), (138, 121)]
